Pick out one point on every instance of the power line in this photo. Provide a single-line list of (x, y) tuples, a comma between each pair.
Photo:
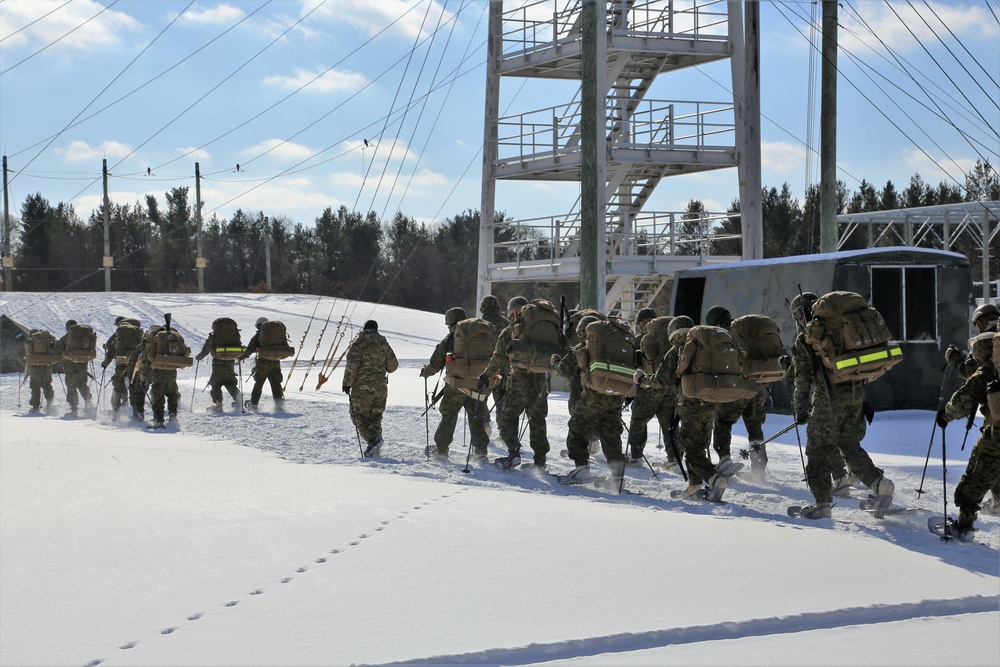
[(60, 38), (31, 23)]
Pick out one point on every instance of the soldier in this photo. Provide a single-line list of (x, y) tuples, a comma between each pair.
[(366, 383), (835, 417), (223, 375), (76, 376), (753, 411), (454, 399), (39, 374), (526, 392), (642, 318), (264, 370), (592, 413), (489, 307), (161, 383), (983, 469), (118, 388), (650, 401)]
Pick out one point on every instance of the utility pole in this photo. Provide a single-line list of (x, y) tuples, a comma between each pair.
[(199, 261), (8, 256), (593, 168), (828, 131), (267, 251), (108, 261), (745, 41)]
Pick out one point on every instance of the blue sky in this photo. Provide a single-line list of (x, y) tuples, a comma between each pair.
[(291, 89)]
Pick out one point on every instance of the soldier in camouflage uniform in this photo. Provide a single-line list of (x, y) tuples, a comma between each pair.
[(592, 412), (455, 400), (753, 411), (161, 383), (489, 307), (39, 383), (369, 359), (835, 417), (223, 375), (983, 469), (118, 386), (526, 392), (650, 401), (984, 319), (76, 375), (264, 370)]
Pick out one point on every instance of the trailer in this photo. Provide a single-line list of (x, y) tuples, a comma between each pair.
[(924, 295)]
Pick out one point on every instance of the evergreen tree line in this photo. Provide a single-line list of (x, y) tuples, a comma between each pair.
[(398, 261)]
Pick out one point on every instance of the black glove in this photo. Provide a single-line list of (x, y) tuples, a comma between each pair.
[(482, 383), (869, 412), (940, 419), (784, 361), (949, 351), (802, 417), (104, 365), (347, 390)]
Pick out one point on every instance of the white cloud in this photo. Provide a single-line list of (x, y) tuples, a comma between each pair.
[(894, 23), (318, 80), (428, 178), (278, 149), (79, 151), (223, 14), (782, 157), (373, 16), (195, 153), (77, 25), (934, 169)]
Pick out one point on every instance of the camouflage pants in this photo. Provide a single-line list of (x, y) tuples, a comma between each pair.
[(694, 436), (598, 414), (452, 403), (223, 375), (119, 390), (76, 383), (833, 436), (526, 393), (367, 406), (754, 413), (163, 387), (40, 382), (266, 371), (981, 474), (649, 403)]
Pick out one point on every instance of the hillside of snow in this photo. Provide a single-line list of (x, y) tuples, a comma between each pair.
[(264, 539)]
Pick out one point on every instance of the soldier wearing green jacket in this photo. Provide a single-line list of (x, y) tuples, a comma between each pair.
[(366, 382)]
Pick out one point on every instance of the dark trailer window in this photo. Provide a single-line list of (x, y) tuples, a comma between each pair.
[(907, 298)]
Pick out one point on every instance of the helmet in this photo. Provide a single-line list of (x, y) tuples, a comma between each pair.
[(679, 326), (70, 323), (454, 315), (516, 303), (489, 303), (644, 315), (798, 312), (581, 326), (260, 321), (371, 324), (717, 316), (985, 314), (118, 320)]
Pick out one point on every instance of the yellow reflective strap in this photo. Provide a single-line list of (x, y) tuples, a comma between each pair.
[(601, 365)]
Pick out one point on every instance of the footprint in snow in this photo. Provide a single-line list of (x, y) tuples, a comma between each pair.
[(93, 663), (195, 617), (286, 580), (320, 560), (231, 603), (128, 645), (380, 528), (355, 543), (385, 523), (257, 592), (335, 551), (301, 570), (167, 631)]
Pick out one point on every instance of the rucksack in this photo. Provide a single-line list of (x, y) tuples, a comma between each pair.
[(850, 338), (759, 337), (574, 321), (981, 346), (40, 348), (711, 367), (536, 336), (273, 341), (656, 343), (81, 344), (607, 362), (128, 336), (996, 352), (475, 339), (226, 343), (166, 350)]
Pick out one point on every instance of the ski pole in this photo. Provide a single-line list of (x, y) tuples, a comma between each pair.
[(944, 381), (672, 441), (100, 389), (427, 423), (475, 417), (944, 484), (968, 427), (350, 408), (196, 365), (628, 449), (798, 438), (243, 403)]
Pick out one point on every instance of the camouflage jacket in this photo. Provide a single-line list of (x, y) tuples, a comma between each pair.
[(971, 395), (439, 356), (369, 359), (500, 360), (809, 385)]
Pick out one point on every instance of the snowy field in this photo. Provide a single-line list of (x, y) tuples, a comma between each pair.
[(264, 539)]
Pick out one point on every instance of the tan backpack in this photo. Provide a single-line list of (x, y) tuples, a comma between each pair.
[(226, 343), (536, 336), (607, 363), (166, 350), (475, 339), (128, 336), (711, 367), (81, 344), (40, 348), (656, 343), (273, 341), (850, 338), (759, 337)]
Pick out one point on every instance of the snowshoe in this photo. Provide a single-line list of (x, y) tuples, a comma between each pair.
[(579, 475), (698, 495), (508, 462), (728, 467), (374, 448), (815, 512), (947, 529)]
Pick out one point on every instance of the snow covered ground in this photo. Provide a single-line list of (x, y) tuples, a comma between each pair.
[(264, 539)]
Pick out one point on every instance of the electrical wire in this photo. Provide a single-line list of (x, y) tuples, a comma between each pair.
[(59, 39)]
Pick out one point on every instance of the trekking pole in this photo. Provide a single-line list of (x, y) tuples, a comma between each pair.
[(798, 438), (100, 390), (195, 387), (672, 441), (944, 484), (350, 408), (427, 423), (968, 427), (475, 416), (24, 376), (243, 403), (940, 404), (628, 449)]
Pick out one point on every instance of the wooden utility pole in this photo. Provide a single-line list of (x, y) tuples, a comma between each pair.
[(199, 261), (108, 260), (487, 206), (267, 251), (745, 63), (828, 131), (8, 256), (593, 168)]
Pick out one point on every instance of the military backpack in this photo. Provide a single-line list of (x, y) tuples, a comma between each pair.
[(166, 351), (128, 336), (656, 343), (40, 348), (535, 336), (81, 344), (475, 339), (711, 367), (759, 337), (273, 341), (850, 338), (226, 343), (607, 362)]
